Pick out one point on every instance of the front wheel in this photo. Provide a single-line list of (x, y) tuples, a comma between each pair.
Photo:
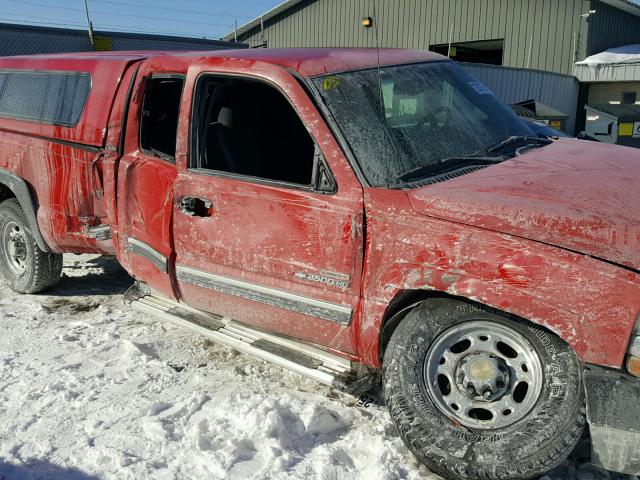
[(25, 267), (477, 395)]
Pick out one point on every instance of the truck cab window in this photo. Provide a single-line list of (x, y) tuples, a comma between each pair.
[(249, 128), (160, 111)]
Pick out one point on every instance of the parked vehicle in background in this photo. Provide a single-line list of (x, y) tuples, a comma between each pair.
[(543, 130), (348, 214)]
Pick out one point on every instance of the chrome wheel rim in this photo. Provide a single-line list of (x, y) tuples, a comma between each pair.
[(15, 247), (483, 375)]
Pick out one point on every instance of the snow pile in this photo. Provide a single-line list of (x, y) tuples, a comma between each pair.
[(628, 54), (91, 390)]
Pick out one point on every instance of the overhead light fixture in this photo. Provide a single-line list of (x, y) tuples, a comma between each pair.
[(367, 22)]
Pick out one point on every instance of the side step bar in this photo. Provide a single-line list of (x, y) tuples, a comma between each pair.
[(299, 357)]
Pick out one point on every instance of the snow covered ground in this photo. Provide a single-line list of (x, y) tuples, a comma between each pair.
[(91, 390)]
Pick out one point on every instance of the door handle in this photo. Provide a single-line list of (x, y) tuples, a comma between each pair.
[(196, 207)]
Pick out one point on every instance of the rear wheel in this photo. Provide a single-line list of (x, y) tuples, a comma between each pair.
[(477, 395), (25, 267)]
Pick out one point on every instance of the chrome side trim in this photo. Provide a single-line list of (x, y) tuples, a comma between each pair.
[(289, 301), (150, 254)]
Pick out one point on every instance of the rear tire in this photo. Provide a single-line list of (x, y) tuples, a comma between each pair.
[(437, 392), (25, 267)]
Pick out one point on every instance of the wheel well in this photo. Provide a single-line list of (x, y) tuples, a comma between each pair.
[(12, 186), (5, 193), (398, 309), (404, 302)]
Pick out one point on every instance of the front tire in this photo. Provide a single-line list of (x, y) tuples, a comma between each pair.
[(477, 395), (25, 267)]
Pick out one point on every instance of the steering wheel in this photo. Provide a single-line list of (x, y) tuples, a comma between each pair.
[(431, 117)]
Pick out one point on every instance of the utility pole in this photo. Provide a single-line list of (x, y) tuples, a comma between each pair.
[(89, 25)]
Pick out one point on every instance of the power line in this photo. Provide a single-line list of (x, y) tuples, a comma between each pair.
[(209, 24), (156, 7), (25, 22), (30, 16), (144, 17), (105, 27), (47, 6)]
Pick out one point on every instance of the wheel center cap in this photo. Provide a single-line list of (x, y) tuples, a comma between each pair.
[(482, 369), (483, 377)]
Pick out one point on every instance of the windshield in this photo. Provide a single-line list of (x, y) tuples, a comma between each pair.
[(414, 119)]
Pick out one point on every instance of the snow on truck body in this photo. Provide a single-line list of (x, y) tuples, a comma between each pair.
[(332, 233)]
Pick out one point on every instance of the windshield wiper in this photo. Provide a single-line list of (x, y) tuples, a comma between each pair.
[(526, 141), (442, 165)]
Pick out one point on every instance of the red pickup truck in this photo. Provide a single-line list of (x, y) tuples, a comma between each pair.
[(358, 216)]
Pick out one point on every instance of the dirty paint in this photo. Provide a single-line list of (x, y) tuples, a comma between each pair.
[(552, 236)]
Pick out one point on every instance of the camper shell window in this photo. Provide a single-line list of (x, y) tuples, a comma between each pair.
[(56, 98)]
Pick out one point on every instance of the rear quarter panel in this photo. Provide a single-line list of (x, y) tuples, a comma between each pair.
[(60, 163)]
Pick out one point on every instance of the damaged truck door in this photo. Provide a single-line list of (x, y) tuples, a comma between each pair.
[(264, 215), (149, 160)]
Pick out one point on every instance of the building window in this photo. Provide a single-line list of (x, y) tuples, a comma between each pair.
[(56, 98), (629, 98), (486, 51)]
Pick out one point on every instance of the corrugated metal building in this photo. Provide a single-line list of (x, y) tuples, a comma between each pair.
[(539, 34), (514, 85), (540, 40), (27, 40)]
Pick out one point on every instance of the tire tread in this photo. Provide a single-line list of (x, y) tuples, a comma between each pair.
[(47, 266), (409, 425)]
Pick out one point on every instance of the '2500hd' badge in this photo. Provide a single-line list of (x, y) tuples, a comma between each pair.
[(331, 279)]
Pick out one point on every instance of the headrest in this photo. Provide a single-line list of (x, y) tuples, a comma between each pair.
[(225, 117)]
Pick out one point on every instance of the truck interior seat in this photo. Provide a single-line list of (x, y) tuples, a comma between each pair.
[(251, 129)]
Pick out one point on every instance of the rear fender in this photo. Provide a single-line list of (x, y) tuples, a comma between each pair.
[(20, 190)]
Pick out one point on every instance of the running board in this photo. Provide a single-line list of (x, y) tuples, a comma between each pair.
[(299, 357)]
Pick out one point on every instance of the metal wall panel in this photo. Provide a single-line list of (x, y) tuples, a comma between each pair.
[(513, 85), (610, 27), (539, 34), (607, 73)]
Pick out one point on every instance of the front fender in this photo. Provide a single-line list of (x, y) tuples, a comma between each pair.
[(590, 304)]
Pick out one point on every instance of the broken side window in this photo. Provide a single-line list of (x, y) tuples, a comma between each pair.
[(160, 113)]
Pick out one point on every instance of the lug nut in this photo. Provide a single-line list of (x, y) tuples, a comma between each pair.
[(487, 394), (471, 391), (500, 384)]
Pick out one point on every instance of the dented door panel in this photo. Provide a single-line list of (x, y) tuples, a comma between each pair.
[(145, 196), (282, 258), (275, 238)]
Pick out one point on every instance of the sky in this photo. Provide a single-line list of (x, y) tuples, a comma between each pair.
[(194, 18)]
